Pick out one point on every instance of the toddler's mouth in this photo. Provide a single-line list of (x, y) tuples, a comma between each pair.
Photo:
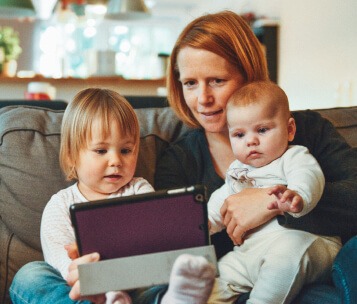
[(113, 176)]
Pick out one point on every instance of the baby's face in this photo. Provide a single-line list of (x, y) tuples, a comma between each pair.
[(107, 163), (257, 135)]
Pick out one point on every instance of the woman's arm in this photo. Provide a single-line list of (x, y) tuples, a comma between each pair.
[(244, 211)]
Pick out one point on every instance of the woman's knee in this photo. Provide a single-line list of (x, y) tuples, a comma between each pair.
[(319, 258)]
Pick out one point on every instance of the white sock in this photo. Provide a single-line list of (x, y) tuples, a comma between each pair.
[(191, 281), (117, 297)]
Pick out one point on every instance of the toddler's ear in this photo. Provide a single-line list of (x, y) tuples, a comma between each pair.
[(291, 129)]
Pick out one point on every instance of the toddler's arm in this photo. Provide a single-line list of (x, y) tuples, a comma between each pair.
[(56, 232)]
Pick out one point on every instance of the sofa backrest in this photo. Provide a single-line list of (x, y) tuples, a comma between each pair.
[(344, 120)]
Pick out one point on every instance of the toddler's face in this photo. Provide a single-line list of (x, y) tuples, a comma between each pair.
[(257, 136), (107, 163)]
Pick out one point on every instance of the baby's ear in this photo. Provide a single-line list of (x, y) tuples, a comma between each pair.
[(291, 129)]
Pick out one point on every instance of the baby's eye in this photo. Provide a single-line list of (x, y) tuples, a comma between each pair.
[(262, 130), (239, 135)]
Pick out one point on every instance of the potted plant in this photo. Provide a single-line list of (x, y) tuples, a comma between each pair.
[(9, 50)]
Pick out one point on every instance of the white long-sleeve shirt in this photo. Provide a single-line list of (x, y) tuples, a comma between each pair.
[(56, 226), (296, 168)]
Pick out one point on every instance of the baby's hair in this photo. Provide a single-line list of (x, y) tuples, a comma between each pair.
[(261, 92), (88, 105)]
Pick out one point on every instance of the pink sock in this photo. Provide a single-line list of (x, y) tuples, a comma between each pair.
[(191, 281)]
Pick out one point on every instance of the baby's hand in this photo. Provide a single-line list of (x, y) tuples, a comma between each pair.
[(286, 200)]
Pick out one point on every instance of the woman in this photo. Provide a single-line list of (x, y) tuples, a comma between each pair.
[(215, 55)]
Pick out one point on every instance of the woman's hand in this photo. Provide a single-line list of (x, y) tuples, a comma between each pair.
[(73, 275), (246, 210)]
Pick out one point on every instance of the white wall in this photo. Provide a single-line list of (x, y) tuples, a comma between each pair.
[(318, 53), (317, 47)]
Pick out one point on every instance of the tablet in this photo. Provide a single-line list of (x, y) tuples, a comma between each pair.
[(146, 223)]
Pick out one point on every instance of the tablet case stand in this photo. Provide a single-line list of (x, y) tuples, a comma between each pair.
[(135, 271)]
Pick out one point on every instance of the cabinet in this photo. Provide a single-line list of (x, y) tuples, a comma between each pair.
[(267, 32)]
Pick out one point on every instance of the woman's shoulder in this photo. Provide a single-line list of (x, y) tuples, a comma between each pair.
[(192, 144), (191, 134), (310, 126), (307, 115)]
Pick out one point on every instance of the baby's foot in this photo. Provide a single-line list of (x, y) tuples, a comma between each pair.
[(117, 297), (191, 281)]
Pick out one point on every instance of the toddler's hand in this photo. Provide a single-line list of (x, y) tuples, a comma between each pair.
[(72, 251)]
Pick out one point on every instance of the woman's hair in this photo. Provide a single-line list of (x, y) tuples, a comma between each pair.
[(88, 105), (262, 92), (225, 34)]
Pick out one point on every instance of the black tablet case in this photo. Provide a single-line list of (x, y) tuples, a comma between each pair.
[(147, 223)]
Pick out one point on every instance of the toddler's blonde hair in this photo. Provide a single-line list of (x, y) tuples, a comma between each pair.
[(88, 105)]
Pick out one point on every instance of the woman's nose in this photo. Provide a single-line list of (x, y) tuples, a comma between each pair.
[(204, 95)]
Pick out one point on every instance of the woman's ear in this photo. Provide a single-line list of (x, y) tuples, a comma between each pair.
[(291, 129)]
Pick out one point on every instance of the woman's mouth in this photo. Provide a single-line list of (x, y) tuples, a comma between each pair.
[(212, 113)]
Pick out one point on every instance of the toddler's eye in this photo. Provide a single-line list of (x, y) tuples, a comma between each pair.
[(240, 135), (126, 151), (100, 151)]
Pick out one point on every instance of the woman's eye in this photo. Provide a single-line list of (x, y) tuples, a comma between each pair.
[(217, 81), (189, 84)]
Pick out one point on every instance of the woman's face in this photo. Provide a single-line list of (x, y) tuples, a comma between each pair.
[(208, 81)]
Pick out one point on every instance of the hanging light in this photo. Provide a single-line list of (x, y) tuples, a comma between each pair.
[(127, 10), (44, 8), (16, 9)]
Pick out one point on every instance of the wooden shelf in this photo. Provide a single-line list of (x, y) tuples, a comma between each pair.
[(90, 80)]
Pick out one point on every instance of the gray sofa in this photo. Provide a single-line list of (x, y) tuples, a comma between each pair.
[(30, 173)]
